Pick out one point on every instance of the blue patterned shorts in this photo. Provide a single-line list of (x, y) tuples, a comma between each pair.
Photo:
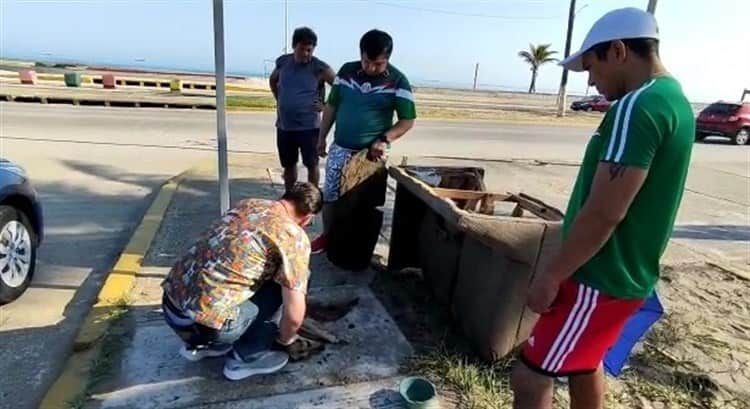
[(337, 158)]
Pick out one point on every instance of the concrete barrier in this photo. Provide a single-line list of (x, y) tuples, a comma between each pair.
[(108, 81), (144, 82), (27, 77), (73, 79), (175, 85)]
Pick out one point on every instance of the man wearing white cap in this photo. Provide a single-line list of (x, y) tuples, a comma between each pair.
[(620, 215)]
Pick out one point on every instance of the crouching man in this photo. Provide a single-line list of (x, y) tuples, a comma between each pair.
[(221, 297)]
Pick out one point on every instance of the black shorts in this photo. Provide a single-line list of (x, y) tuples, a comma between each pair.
[(291, 143)]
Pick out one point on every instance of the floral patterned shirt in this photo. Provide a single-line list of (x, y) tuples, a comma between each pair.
[(254, 242)]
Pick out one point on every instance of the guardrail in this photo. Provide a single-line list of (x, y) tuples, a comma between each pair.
[(128, 81), (95, 101)]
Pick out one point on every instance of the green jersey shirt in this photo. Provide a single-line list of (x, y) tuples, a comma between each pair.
[(650, 128), (365, 104)]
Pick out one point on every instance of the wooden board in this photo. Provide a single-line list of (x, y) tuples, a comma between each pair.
[(537, 207)]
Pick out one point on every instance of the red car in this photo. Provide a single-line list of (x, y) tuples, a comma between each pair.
[(596, 103), (601, 105), (727, 119)]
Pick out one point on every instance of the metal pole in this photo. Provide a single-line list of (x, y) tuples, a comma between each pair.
[(221, 116), (561, 96), (651, 6), (286, 27), (476, 74)]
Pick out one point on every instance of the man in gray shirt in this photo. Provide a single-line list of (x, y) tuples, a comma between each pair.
[(297, 83)]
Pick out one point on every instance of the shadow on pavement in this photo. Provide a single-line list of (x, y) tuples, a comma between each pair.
[(198, 207), (86, 228), (148, 371), (717, 140)]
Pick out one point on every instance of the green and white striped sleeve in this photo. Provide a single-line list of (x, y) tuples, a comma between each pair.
[(636, 131)]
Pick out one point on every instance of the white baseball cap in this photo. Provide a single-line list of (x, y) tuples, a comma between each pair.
[(620, 24)]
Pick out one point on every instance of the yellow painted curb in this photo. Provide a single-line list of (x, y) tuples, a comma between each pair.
[(73, 380)]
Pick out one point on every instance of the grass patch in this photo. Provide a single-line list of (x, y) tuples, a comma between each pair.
[(259, 103), (268, 103), (115, 313), (442, 355), (659, 376), (636, 385), (478, 385)]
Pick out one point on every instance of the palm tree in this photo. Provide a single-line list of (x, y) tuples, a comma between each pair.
[(537, 56)]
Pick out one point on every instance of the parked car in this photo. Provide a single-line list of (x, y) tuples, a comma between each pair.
[(21, 230), (596, 103), (727, 119), (583, 104)]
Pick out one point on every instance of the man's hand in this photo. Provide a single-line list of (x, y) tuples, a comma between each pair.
[(542, 293), (273, 82), (378, 150)]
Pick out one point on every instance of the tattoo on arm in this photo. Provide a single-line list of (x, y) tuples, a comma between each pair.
[(616, 170)]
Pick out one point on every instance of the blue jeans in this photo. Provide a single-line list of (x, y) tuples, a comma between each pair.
[(249, 333)]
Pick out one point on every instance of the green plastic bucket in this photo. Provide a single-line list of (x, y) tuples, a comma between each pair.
[(419, 393), (73, 79)]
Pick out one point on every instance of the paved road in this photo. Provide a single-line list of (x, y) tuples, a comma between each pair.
[(194, 130), (93, 196), (95, 167)]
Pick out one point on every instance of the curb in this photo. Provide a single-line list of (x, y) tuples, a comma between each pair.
[(74, 378), (522, 161), (141, 103)]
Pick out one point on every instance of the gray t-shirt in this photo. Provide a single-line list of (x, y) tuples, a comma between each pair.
[(300, 86)]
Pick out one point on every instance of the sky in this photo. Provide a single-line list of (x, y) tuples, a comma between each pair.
[(705, 44)]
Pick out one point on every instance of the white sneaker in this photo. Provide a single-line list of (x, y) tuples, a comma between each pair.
[(262, 363), (195, 354)]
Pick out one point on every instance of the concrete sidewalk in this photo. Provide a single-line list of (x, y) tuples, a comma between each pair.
[(145, 370)]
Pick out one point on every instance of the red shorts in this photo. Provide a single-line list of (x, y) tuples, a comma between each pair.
[(573, 337)]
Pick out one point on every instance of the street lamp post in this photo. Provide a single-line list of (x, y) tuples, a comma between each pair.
[(286, 27), (221, 115), (561, 95), (476, 75)]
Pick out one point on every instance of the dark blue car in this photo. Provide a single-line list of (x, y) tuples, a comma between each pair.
[(21, 230)]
